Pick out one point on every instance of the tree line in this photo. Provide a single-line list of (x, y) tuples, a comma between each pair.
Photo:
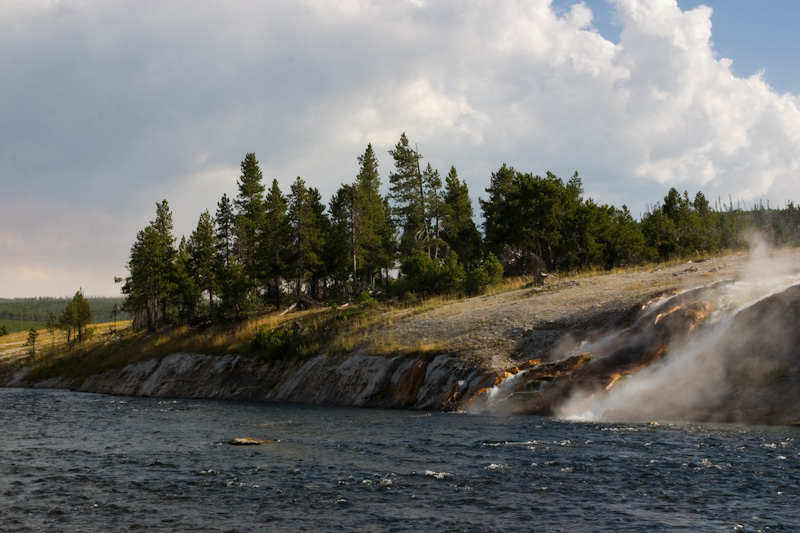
[(267, 248), (105, 309)]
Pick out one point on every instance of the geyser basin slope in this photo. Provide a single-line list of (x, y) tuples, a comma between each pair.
[(729, 353)]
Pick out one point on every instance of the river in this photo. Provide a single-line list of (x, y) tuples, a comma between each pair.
[(85, 462)]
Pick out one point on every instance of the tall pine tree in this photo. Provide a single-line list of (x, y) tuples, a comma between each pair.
[(203, 258), (362, 230), (499, 212), (416, 197), (306, 235), (459, 228), (151, 284), (250, 210), (407, 192), (274, 247), (226, 220), (433, 202)]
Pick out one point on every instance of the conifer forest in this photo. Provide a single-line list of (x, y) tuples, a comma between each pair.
[(266, 248)]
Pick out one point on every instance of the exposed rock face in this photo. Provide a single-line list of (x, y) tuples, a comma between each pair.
[(409, 381), (522, 263), (359, 380), (744, 368), (759, 370)]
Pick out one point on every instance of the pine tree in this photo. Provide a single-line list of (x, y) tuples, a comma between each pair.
[(77, 316), (626, 243), (32, 336), (343, 249), (499, 210), (322, 228), (275, 243), (460, 231), (707, 224), (375, 231), (202, 257), (151, 283), (237, 296), (359, 228), (433, 202), (250, 211), (306, 235), (225, 219), (189, 292), (407, 192), (165, 257)]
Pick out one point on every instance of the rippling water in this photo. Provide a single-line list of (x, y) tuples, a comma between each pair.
[(80, 462)]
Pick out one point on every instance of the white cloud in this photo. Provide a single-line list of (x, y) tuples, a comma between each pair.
[(114, 106)]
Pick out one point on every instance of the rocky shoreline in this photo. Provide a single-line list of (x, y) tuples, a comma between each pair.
[(536, 331)]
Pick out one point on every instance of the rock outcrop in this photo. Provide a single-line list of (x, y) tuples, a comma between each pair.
[(542, 387), (744, 368), (407, 381)]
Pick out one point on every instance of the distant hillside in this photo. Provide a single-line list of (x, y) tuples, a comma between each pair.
[(37, 309)]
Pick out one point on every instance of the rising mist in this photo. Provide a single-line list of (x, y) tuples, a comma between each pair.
[(740, 365)]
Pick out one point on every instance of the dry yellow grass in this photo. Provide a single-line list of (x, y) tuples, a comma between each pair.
[(47, 341)]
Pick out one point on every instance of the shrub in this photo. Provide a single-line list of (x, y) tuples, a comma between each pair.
[(364, 298), (424, 275), (489, 273), (451, 274), (274, 344), (477, 281), (493, 269)]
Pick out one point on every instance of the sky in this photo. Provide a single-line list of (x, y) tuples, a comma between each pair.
[(109, 106)]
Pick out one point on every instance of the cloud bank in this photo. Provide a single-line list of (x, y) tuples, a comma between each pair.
[(108, 107)]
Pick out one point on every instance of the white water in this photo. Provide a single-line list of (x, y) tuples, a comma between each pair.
[(491, 401)]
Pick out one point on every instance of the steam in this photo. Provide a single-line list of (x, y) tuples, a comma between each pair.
[(695, 376)]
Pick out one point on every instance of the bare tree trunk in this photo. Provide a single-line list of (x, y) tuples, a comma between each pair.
[(355, 259)]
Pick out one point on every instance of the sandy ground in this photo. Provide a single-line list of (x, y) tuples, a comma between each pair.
[(533, 322)]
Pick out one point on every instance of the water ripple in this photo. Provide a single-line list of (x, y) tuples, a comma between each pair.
[(74, 462)]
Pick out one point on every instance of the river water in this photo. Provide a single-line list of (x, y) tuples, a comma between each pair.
[(83, 462)]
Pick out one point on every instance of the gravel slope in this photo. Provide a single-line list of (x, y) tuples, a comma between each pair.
[(533, 322)]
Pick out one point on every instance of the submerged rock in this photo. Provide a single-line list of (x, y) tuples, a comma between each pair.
[(249, 441)]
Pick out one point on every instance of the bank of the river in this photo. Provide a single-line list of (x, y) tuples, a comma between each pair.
[(477, 340)]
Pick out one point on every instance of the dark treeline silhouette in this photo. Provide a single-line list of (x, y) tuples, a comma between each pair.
[(269, 248)]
